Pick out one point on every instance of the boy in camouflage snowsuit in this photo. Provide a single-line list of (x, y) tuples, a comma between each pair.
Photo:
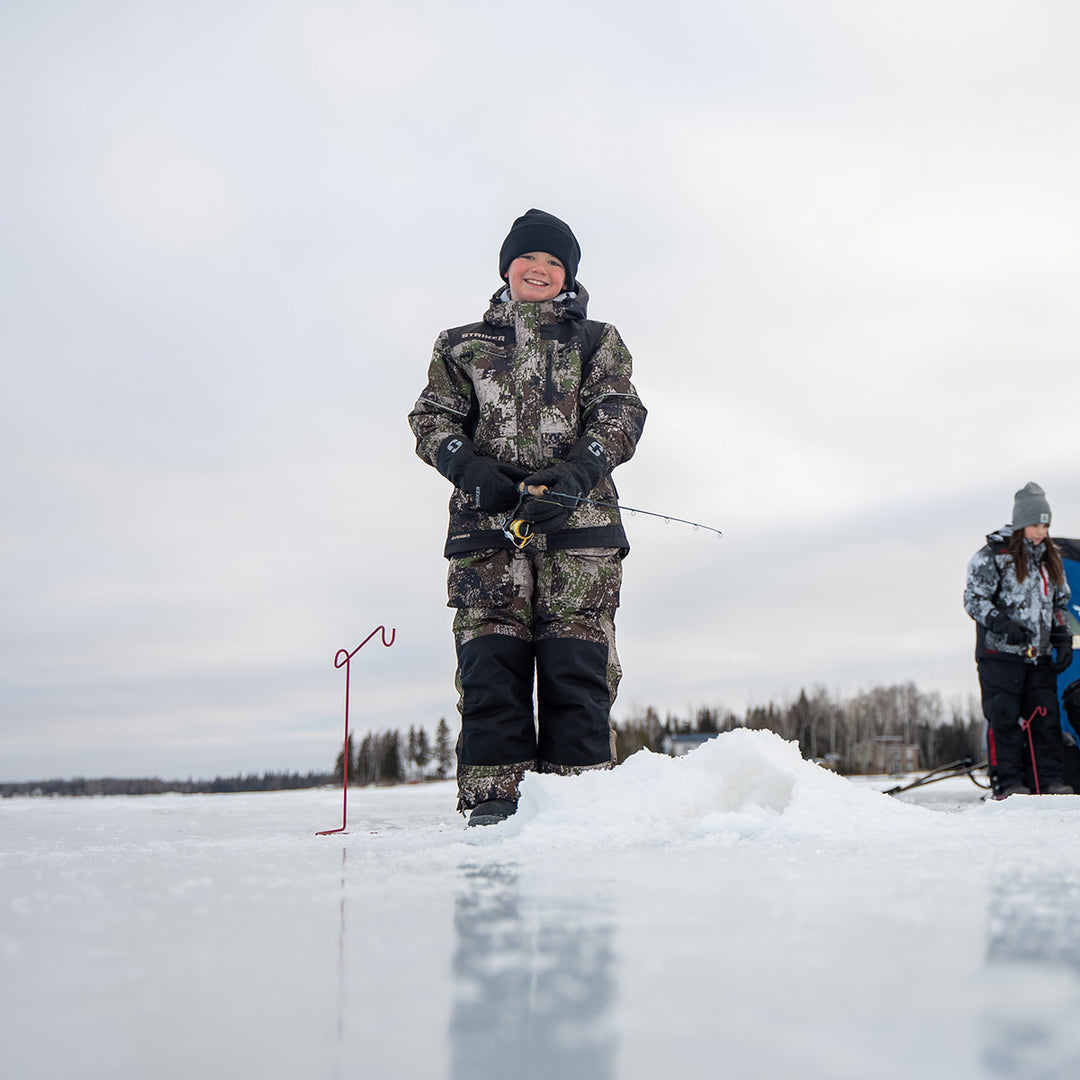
[(527, 413)]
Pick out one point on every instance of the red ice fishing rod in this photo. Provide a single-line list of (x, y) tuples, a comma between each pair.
[(520, 531)]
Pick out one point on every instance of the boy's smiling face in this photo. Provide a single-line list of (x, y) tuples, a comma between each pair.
[(536, 276)]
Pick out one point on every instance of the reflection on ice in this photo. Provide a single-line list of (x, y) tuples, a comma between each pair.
[(533, 981), (1033, 920), (341, 970), (1033, 957)]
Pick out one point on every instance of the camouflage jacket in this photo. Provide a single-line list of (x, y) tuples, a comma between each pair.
[(525, 384), (1035, 602)]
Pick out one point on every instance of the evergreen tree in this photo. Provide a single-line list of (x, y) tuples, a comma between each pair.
[(708, 720), (444, 750), (367, 761), (339, 765), (390, 762), (423, 750), (410, 752), (639, 732)]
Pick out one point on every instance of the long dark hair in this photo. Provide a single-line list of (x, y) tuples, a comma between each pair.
[(1052, 558)]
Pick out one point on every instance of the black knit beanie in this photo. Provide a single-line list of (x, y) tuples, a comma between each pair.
[(538, 231)]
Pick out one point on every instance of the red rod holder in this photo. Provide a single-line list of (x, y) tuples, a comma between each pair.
[(1026, 725), (344, 658)]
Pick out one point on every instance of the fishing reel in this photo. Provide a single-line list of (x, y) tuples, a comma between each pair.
[(517, 530)]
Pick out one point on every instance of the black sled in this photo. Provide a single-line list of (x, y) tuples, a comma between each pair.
[(964, 766)]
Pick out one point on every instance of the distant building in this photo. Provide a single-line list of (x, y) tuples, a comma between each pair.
[(888, 755), (677, 745)]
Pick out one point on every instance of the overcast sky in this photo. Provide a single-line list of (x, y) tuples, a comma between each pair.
[(840, 239)]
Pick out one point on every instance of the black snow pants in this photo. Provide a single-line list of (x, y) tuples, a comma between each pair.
[(1013, 691), (533, 617)]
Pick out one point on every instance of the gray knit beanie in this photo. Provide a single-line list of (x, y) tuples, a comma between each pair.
[(1030, 507)]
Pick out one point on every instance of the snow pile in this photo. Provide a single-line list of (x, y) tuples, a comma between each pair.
[(741, 785), (1043, 804)]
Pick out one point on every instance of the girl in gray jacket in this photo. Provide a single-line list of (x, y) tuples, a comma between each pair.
[(1018, 596)]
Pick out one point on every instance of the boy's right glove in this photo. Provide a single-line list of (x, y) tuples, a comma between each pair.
[(1009, 629), (1061, 643), (481, 478)]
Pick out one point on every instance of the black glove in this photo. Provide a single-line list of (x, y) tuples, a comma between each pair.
[(1061, 642), (483, 479), (1009, 629), (575, 477), (546, 515)]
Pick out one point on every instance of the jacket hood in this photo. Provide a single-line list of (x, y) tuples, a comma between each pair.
[(573, 305), (1005, 534)]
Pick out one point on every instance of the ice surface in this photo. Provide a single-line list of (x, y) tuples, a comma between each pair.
[(738, 912)]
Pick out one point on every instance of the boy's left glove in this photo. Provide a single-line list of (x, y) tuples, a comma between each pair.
[(575, 477), (544, 513), (1061, 642)]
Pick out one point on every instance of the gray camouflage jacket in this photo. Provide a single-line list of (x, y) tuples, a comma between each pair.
[(1035, 603), (525, 384)]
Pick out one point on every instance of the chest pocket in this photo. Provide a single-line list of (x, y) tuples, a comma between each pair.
[(562, 375)]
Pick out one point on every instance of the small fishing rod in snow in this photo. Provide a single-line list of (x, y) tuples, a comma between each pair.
[(520, 531)]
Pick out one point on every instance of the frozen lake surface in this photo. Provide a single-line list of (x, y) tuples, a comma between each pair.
[(737, 912)]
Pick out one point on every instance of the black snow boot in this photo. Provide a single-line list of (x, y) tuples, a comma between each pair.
[(1014, 789), (492, 812)]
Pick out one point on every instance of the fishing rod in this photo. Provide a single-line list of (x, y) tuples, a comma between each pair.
[(520, 531)]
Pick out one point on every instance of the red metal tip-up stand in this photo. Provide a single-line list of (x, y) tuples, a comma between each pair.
[(344, 658)]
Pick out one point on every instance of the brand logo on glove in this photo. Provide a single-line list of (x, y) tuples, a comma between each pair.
[(453, 446), (595, 449)]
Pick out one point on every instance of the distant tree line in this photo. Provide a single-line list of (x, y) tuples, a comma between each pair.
[(390, 758), (853, 735), (861, 734), (270, 781), (856, 735)]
